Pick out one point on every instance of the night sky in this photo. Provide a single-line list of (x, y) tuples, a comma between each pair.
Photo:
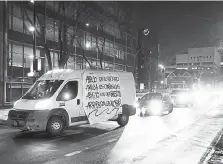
[(181, 25)]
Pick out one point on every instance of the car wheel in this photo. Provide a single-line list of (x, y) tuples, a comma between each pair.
[(171, 110), (55, 125), (141, 114), (123, 119)]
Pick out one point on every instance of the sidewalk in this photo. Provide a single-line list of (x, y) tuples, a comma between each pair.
[(216, 155), (190, 145)]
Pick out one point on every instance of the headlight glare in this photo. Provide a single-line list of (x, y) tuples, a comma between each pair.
[(136, 104), (156, 105)]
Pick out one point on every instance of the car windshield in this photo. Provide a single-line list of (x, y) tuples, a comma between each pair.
[(178, 91), (43, 89), (151, 96)]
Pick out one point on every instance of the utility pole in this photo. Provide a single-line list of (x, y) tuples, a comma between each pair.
[(35, 60), (140, 55)]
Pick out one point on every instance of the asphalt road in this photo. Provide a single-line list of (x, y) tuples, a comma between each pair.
[(103, 143)]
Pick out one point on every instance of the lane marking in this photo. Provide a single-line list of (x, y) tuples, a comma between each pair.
[(112, 140), (73, 153)]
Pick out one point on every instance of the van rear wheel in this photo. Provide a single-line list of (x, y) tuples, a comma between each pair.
[(123, 119), (55, 125)]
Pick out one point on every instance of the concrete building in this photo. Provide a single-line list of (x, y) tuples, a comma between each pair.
[(103, 38), (200, 63), (207, 57)]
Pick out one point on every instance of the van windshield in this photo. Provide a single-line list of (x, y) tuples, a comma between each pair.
[(43, 89)]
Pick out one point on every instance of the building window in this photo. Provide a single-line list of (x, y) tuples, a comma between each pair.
[(20, 55)]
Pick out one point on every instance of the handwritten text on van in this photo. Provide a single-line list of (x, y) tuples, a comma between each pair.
[(102, 94)]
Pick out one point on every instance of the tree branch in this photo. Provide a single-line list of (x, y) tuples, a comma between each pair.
[(101, 53), (27, 16), (47, 52), (136, 55), (64, 51), (84, 53), (60, 44)]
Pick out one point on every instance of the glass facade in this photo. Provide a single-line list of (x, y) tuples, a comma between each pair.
[(118, 48)]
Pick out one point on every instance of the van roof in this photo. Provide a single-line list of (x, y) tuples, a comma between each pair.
[(64, 74)]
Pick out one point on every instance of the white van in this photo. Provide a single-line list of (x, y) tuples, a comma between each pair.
[(62, 98)]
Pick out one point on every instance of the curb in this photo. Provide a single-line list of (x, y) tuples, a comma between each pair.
[(210, 150)]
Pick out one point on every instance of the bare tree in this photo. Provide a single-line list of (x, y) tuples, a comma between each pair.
[(63, 38), (41, 33), (135, 60), (83, 52), (102, 43), (63, 29)]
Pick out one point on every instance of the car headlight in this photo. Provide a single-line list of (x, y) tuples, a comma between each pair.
[(136, 105), (42, 104), (201, 96), (183, 97), (156, 105), (143, 110)]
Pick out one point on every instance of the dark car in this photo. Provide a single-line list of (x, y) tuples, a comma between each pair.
[(182, 97), (155, 104)]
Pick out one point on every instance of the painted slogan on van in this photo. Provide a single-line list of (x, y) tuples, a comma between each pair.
[(102, 95)]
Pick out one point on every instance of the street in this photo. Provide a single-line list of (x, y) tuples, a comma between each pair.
[(103, 143)]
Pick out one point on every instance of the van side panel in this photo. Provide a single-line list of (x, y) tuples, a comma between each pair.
[(102, 98)]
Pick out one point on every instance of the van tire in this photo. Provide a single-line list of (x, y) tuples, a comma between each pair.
[(123, 119), (55, 125), (171, 110)]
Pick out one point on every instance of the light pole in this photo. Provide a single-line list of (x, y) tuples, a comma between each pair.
[(32, 29), (139, 55), (34, 38), (162, 67)]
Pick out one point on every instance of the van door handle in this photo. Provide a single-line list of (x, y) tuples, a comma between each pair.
[(78, 102)]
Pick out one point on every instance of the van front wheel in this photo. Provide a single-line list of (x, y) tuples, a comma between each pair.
[(123, 119), (55, 125)]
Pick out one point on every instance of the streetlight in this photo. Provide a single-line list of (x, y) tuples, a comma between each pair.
[(31, 28), (88, 45), (31, 56), (161, 66)]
